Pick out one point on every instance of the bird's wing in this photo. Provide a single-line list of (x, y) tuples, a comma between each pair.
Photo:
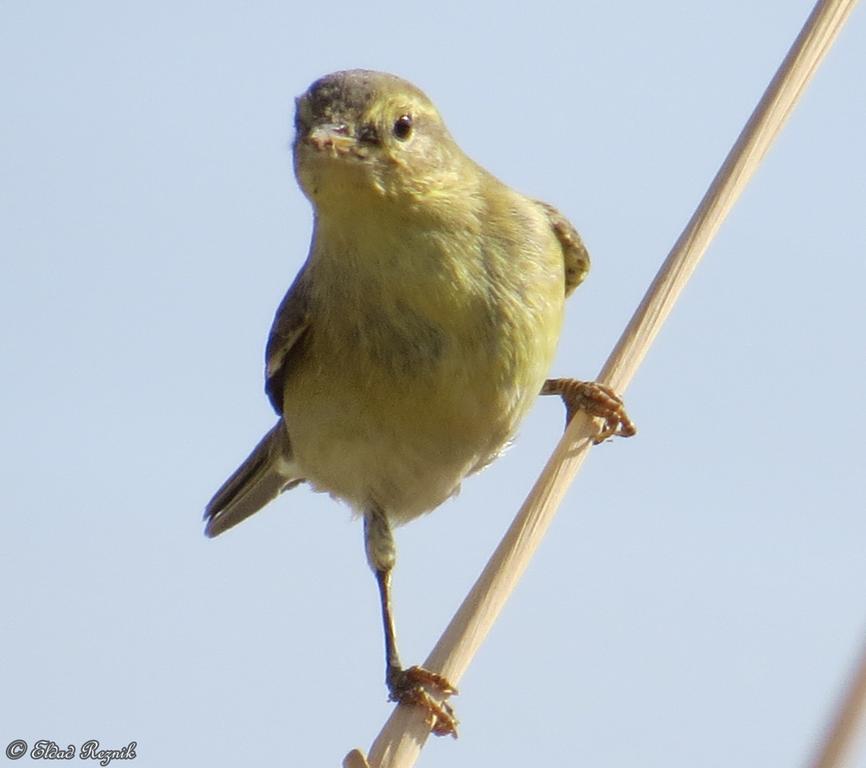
[(575, 255), (286, 340)]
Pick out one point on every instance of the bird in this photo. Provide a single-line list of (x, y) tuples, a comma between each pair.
[(415, 337)]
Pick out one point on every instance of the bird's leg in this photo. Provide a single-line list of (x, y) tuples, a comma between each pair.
[(405, 686), (597, 400)]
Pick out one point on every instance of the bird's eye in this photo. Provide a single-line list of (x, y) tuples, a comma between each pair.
[(403, 127)]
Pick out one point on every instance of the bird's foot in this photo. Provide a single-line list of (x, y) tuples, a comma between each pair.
[(597, 400), (407, 686)]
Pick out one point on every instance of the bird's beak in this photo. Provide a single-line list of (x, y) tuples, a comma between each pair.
[(331, 136)]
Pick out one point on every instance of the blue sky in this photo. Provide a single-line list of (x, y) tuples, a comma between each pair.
[(699, 599)]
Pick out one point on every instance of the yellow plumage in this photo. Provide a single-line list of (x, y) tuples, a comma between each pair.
[(419, 331)]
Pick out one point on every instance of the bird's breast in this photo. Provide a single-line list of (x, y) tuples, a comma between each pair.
[(416, 373)]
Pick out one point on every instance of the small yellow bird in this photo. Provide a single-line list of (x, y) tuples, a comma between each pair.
[(417, 334)]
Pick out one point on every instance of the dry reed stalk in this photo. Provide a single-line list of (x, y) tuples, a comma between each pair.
[(401, 739), (847, 720)]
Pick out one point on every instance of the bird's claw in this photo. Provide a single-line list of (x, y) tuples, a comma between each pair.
[(595, 399), (409, 686)]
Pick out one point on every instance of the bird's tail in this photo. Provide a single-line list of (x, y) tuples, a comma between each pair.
[(268, 471)]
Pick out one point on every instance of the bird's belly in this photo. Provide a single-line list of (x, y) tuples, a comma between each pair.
[(404, 443), (402, 430)]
